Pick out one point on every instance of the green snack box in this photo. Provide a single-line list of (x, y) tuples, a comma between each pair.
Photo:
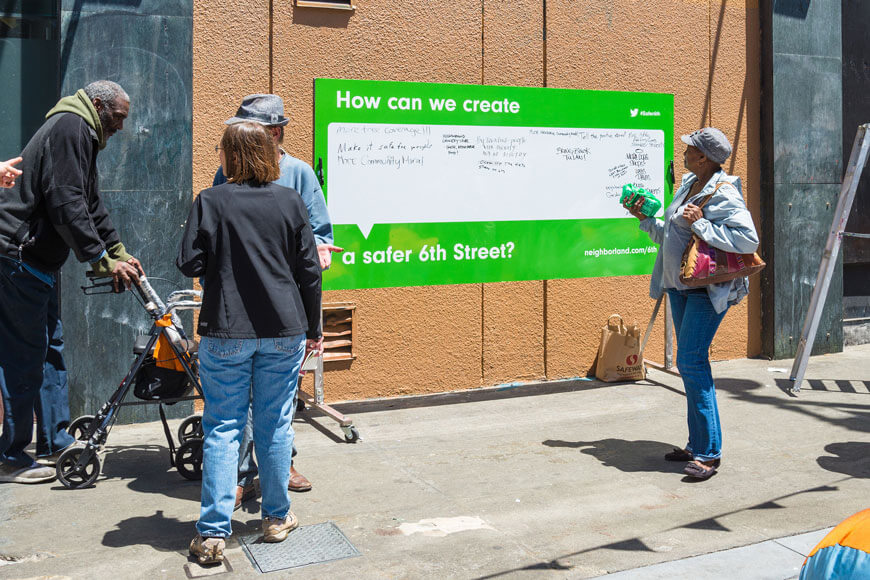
[(651, 205)]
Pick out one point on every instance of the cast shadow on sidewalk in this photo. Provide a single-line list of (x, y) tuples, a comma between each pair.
[(162, 533), (501, 392), (844, 386), (628, 456), (637, 544), (157, 531), (852, 458), (146, 469), (852, 415)]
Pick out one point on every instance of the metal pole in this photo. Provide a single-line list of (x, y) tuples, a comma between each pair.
[(829, 257), (669, 335)]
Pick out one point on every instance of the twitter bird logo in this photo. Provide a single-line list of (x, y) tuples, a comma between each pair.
[(633, 112)]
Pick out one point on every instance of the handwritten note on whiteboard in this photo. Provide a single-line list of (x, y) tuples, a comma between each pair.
[(385, 174)]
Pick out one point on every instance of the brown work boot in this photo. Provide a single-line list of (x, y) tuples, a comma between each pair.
[(243, 494), (208, 550), (276, 530), (298, 482)]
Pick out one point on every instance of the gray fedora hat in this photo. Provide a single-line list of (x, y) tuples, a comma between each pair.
[(712, 142), (263, 109)]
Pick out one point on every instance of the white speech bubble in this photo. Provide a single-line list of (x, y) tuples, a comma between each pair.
[(385, 174)]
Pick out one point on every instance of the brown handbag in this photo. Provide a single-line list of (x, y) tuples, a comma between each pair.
[(703, 264)]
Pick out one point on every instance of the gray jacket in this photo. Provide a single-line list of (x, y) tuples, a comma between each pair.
[(726, 225)]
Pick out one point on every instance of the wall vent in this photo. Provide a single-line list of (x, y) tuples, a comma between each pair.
[(338, 331)]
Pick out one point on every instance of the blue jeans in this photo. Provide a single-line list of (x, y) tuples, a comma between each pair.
[(696, 323), (30, 333), (52, 405), (247, 465), (260, 373)]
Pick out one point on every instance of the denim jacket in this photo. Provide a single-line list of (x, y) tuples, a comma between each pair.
[(726, 225), (298, 175)]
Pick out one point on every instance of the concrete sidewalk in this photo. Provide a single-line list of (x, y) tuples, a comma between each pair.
[(562, 480)]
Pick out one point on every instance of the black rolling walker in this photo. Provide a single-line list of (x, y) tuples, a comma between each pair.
[(80, 465)]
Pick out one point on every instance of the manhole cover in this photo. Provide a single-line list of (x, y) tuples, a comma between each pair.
[(304, 546)]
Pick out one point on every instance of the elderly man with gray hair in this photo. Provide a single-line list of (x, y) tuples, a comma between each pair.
[(54, 207)]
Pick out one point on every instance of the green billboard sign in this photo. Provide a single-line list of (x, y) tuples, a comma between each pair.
[(433, 184)]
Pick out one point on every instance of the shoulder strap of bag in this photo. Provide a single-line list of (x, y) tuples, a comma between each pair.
[(710, 196)]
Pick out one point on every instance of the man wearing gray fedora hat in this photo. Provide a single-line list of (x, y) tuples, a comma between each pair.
[(268, 110)]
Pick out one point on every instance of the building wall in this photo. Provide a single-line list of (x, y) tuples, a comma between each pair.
[(145, 179), (431, 339)]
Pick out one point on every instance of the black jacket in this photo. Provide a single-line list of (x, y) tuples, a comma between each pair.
[(255, 251), (55, 205)]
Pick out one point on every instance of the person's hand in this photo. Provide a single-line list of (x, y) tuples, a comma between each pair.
[(8, 172), (125, 274), (692, 213), (324, 253), (136, 264), (634, 208), (314, 345)]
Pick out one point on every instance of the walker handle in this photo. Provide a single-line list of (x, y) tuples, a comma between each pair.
[(153, 304)]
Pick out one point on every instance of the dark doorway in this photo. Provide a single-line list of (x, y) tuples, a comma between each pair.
[(29, 68), (856, 111)]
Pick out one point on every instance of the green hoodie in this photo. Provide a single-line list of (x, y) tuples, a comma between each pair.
[(82, 106)]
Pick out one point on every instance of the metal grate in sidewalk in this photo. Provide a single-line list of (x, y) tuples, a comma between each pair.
[(304, 546)]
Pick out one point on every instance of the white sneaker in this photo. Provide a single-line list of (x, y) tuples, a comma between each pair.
[(34, 474)]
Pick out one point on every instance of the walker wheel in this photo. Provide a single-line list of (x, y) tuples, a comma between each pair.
[(300, 406), (351, 434), (190, 428), (80, 427), (188, 459), (73, 472)]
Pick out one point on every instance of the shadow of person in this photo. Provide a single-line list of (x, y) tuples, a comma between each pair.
[(737, 387), (628, 456), (161, 533), (852, 458), (164, 534), (147, 469)]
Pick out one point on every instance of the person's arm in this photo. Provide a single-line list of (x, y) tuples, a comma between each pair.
[(69, 152), (315, 204), (724, 222), (8, 172), (193, 250), (308, 277), (116, 253), (318, 215), (655, 228)]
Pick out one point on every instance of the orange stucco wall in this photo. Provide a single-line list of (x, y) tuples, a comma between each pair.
[(430, 339)]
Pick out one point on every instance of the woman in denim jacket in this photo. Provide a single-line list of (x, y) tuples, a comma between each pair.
[(724, 223)]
